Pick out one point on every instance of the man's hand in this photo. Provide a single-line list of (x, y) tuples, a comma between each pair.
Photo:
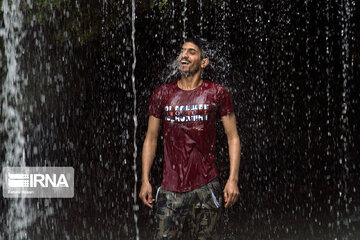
[(231, 193), (146, 194)]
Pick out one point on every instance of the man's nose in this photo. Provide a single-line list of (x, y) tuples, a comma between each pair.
[(185, 54)]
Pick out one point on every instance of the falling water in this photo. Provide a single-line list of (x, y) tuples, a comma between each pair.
[(329, 70), (183, 14), (347, 64), (201, 17), (291, 74), (13, 126), (11, 90), (136, 206)]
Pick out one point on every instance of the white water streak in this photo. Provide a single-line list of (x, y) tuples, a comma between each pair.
[(183, 14), (135, 208), (347, 7), (347, 64), (201, 17), (13, 127), (11, 96)]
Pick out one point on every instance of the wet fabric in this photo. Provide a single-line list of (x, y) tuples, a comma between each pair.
[(193, 214), (189, 120)]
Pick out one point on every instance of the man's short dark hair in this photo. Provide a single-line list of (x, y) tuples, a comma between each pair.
[(200, 43)]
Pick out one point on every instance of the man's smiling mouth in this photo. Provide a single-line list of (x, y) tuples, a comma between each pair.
[(184, 61)]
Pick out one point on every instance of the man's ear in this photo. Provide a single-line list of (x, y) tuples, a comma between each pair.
[(204, 62)]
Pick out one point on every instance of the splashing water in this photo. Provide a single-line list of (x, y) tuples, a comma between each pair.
[(219, 64), (170, 71), (289, 67)]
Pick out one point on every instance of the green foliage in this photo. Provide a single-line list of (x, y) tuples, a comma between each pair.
[(44, 9), (78, 22), (160, 3), (48, 3)]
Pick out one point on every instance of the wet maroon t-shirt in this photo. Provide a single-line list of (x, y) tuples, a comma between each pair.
[(189, 119)]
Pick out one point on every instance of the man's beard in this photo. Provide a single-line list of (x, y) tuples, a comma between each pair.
[(185, 74), (188, 73)]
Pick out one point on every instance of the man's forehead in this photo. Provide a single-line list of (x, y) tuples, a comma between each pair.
[(190, 45)]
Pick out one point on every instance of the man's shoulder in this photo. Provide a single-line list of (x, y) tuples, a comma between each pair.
[(214, 85)]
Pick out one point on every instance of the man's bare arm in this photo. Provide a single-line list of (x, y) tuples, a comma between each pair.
[(148, 155), (231, 190)]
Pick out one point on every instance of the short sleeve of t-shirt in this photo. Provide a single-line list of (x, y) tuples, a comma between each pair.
[(155, 104), (225, 102)]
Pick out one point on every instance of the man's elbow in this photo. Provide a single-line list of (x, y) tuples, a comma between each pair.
[(234, 140), (151, 139)]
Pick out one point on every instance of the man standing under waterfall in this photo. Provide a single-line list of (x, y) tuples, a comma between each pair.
[(190, 192)]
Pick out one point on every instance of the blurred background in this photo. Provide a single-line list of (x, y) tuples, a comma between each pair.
[(76, 78)]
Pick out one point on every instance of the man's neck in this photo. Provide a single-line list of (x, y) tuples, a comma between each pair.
[(189, 82)]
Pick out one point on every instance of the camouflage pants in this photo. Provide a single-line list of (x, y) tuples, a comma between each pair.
[(188, 215)]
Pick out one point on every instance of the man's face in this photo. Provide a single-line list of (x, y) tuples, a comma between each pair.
[(189, 59)]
